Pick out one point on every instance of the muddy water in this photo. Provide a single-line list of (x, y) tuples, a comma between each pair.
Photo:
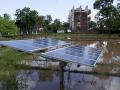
[(49, 80), (53, 80)]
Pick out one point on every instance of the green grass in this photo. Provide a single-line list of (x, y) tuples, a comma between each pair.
[(10, 57), (79, 36), (65, 36)]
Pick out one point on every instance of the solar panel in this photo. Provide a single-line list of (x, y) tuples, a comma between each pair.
[(33, 45), (83, 55)]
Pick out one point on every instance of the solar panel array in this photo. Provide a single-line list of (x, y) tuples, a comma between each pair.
[(83, 55), (33, 45), (78, 54)]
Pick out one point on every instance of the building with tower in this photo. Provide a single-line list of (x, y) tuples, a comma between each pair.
[(79, 19)]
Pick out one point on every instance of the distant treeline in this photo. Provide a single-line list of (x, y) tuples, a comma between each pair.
[(28, 21)]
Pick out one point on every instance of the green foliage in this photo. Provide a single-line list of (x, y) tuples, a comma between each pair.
[(57, 24), (92, 25), (100, 4), (108, 16), (7, 16), (7, 26), (9, 58), (40, 22), (29, 21), (65, 25), (48, 19), (26, 19), (9, 78), (105, 8)]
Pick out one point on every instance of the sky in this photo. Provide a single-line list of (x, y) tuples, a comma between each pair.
[(56, 8)]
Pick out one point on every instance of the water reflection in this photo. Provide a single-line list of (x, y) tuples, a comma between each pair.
[(111, 49), (110, 57), (38, 80), (35, 80)]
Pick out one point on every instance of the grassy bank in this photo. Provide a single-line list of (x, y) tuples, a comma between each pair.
[(67, 36)]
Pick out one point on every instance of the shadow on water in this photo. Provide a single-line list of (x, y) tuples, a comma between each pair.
[(59, 80)]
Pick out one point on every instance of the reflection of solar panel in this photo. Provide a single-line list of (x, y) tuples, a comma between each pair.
[(33, 45), (78, 54)]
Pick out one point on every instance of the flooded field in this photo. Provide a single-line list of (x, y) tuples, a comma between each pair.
[(49, 80), (54, 80)]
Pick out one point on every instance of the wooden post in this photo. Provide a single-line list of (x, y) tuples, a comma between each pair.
[(62, 65)]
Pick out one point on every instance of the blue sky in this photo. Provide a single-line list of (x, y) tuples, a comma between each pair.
[(57, 8)]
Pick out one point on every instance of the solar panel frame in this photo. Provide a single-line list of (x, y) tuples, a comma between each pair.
[(16, 47), (24, 45), (64, 57)]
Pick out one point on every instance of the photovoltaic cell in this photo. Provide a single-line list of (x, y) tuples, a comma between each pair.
[(33, 45), (83, 55)]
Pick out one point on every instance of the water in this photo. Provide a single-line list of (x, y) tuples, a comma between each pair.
[(49, 80), (55, 80)]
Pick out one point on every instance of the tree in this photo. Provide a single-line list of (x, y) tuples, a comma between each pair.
[(52, 27), (92, 25), (26, 19), (65, 26), (7, 26), (116, 20), (56, 25), (7, 16), (40, 22), (106, 15), (48, 19)]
